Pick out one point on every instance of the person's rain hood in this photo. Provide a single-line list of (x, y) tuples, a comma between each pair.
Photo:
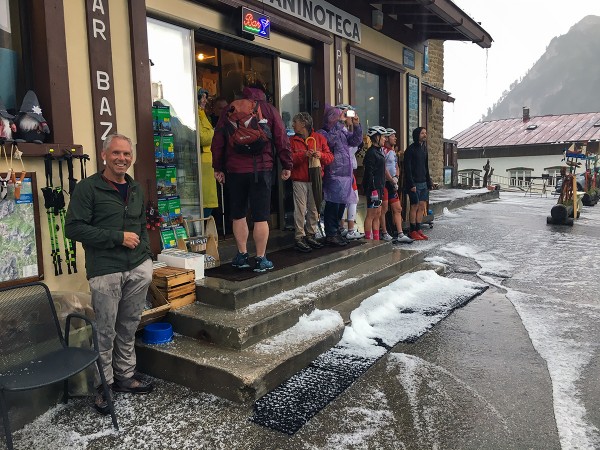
[(331, 117)]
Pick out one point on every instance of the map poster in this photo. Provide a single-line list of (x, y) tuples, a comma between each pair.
[(20, 242), (412, 107)]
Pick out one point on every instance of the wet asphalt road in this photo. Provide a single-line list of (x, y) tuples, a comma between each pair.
[(516, 368)]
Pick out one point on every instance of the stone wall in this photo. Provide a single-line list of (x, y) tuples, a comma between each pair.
[(435, 112)]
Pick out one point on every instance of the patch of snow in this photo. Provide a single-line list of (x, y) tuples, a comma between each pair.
[(317, 323)]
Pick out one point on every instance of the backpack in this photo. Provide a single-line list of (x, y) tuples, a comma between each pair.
[(247, 129)]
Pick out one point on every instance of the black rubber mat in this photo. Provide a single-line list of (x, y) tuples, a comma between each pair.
[(293, 403), (281, 259)]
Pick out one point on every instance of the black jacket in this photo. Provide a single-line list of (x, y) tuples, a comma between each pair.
[(374, 175), (416, 166)]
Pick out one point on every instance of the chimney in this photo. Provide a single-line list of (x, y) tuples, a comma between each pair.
[(525, 114)]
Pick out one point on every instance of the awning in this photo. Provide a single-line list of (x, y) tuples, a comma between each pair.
[(431, 90), (436, 19)]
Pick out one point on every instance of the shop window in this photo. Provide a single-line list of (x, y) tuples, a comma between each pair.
[(238, 69), (553, 176), (12, 73), (368, 99), (173, 81), (294, 89), (519, 177)]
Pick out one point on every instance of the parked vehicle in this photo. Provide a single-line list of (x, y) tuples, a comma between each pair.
[(580, 177)]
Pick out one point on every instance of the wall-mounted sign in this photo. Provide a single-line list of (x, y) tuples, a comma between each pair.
[(408, 58), (412, 107), (256, 23), (426, 58), (100, 57), (322, 15), (339, 70)]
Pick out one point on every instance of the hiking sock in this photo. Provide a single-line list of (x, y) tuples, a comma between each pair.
[(417, 226), (413, 227), (375, 235), (368, 235)]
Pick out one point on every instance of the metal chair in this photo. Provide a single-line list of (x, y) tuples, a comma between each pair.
[(33, 351)]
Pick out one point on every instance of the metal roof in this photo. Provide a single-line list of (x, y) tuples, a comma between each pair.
[(538, 130)]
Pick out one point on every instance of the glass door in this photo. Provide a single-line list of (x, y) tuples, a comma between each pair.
[(176, 151)]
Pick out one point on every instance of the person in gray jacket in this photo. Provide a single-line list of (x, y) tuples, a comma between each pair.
[(107, 215)]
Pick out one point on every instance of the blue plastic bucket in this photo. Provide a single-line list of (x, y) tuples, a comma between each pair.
[(158, 333)]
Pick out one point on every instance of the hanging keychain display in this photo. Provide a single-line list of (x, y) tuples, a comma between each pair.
[(4, 181), (17, 182)]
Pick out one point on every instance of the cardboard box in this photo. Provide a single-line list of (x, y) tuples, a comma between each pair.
[(184, 260)]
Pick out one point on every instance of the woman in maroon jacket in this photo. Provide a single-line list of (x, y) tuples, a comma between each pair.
[(306, 212)]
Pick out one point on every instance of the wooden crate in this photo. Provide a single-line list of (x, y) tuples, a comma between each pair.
[(178, 286), (160, 307)]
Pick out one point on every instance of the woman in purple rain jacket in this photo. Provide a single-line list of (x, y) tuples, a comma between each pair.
[(337, 180)]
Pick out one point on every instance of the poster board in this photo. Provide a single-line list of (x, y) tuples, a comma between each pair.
[(412, 107), (21, 258)]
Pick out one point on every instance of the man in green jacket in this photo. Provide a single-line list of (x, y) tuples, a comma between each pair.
[(107, 215)]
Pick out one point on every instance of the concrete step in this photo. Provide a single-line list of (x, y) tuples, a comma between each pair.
[(239, 294), (241, 328), (239, 375)]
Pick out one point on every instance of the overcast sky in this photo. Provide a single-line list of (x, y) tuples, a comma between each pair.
[(521, 30)]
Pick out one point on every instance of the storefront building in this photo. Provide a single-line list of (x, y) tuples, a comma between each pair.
[(98, 66)]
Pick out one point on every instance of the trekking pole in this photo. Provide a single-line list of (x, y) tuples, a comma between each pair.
[(223, 207), (70, 253), (48, 193)]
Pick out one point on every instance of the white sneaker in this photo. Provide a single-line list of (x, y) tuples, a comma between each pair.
[(354, 234), (403, 239), (386, 237), (343, 232)]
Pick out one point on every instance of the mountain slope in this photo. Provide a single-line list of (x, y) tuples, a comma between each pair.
[(566, 79)]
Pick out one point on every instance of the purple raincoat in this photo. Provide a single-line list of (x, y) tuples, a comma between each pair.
[(337, 180)]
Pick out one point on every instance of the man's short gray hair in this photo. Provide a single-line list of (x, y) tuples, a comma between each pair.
[(110, 137)]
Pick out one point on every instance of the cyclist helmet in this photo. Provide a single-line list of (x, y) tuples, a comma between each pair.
[(390, 131), (376, 129)]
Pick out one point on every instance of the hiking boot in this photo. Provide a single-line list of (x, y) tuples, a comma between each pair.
[(262, 264), (386, 237), (415, 236), (302, 246), (133, 385), (354, 234), (402, 239), (336, 240), (100, 401), (312, 241), (423, 236), (240, 261)]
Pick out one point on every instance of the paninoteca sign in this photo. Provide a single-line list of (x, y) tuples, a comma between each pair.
[(322, 15)]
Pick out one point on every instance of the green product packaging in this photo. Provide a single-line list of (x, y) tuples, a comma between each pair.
[(167, 236), (158, 153), (163, 118), (168, 148), (163, 210), (170, 178), (174, 205), (161, 181), (180, 232)]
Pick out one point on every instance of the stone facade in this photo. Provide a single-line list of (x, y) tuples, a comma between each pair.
[(435, 112)]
